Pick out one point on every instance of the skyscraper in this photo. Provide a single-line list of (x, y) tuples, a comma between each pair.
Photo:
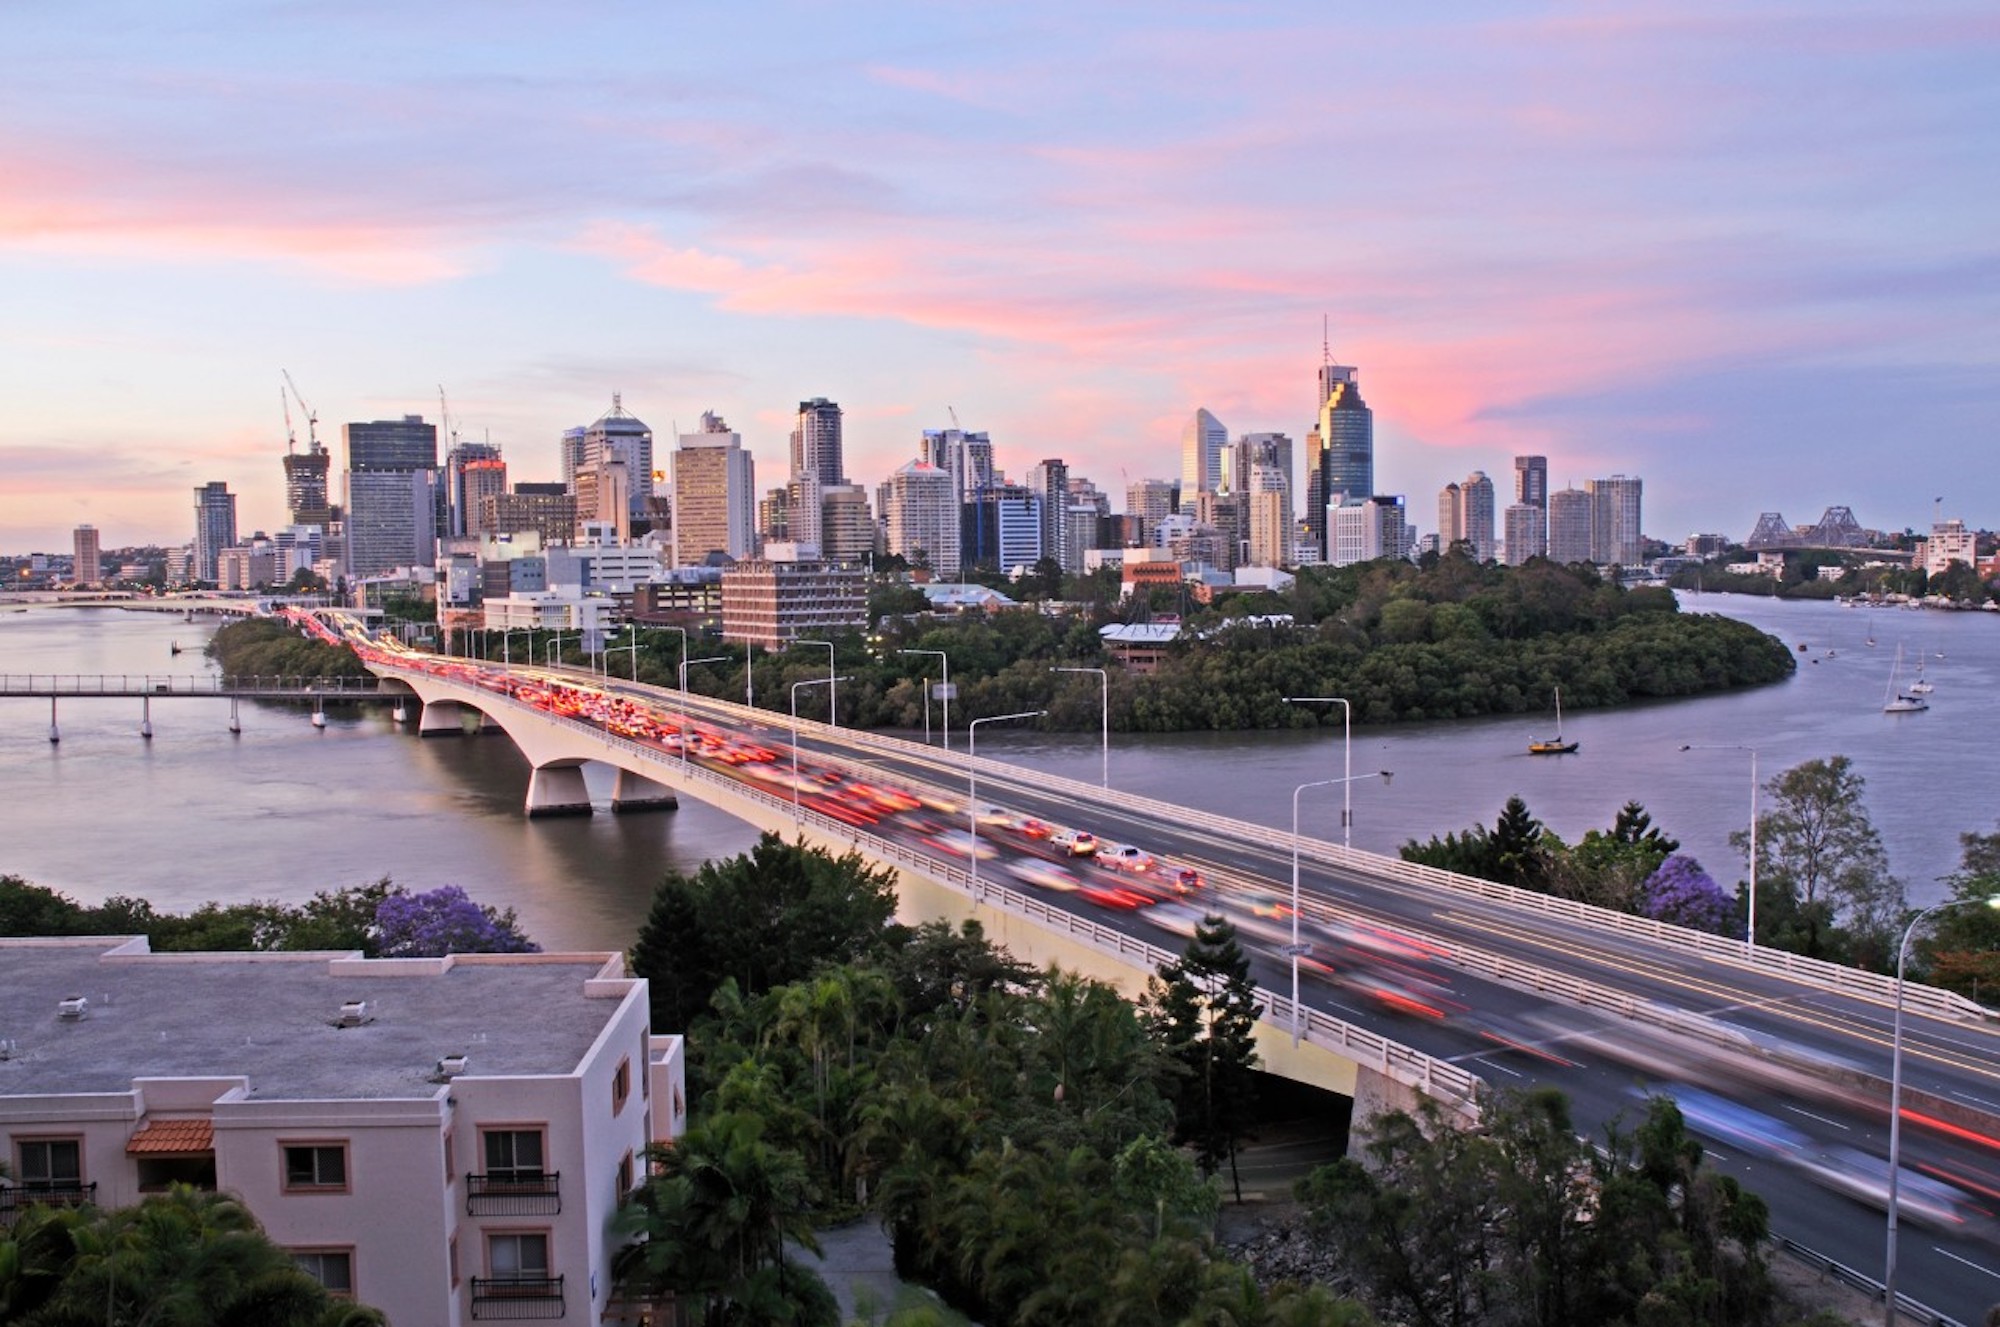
[(1531, 480), (1527, 533), (1368, 528), (1476, 492), (1204, 443), (392, 494), (88, 565), (306, 494), (1152, 501), (1614, 522), (214, 527), (1342, 463), (617, 436), (1049, 481), (922, 516), (816, 443), (1451, 517), (477, 480), (715, 495), (968, 457), (1569, 526)]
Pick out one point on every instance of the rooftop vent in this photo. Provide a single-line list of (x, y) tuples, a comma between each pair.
[(73, 1007), (353, 1013), (451, 1066)]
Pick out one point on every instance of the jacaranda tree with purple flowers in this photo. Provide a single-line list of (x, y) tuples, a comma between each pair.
[(445, 921), (1682, 893)]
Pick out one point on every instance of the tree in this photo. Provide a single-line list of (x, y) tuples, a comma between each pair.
[(1518, 854), (1201, 1011), (1962, 951), (445, 921), (1682, 893), (1823, 860)]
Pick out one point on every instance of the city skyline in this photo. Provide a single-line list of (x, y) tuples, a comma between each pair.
[(1671, 242)]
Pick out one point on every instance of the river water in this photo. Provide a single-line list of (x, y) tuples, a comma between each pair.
[(283, 810)]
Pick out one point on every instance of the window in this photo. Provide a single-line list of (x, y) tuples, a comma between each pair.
[(621, 1085), (450, 1162), (518, 1257), (624, 1179), (52, 1163), (332, 1268), (513, 1155), (452, 1250), (316, 1166)]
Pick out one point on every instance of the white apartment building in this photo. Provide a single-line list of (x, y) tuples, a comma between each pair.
[(922, 515), (551, 610), (1527, 533), (1950, 542), (1371, 528), (446, 1139)]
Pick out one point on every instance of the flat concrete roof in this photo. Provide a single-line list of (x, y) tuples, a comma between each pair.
[(274, 1020)]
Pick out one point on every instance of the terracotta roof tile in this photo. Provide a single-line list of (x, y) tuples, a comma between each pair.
[(172, 1138)]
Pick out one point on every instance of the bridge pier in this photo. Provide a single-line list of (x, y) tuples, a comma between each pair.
[(146, 717), (489, 726), (55, 733), (441, 718), (235, 716), (401, 714), (636, 792), (555, 790)]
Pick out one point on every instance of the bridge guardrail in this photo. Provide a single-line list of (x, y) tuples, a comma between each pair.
[(1436, 1078), (182, 684)]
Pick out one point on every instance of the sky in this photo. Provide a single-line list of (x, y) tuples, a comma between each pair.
[(1749, 252)]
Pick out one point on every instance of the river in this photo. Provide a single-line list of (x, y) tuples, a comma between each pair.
[(283, 810)]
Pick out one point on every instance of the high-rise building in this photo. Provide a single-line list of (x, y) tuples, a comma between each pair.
[(1527, 532), (616, 436), (922, 515), (774, 523), (1049, 481), (306, 494), (1569, 526), (773, 604), (549, 510), (463, 505), (1614, 522), (479, 480), (1370, 528), (1152, 501), (1001, 528), (968, 457), (392, 494), (1204, 444), (1476, 494), (846, 526), (214, 527), (1341, 459), (1260, 472), (88, 565), (1451, 517), (715, 495), (816, 443), (1531, 480), (1226, 514)]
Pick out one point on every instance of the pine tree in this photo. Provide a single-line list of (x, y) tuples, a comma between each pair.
[(1202, 1013)]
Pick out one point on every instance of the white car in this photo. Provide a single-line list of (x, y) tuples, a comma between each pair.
[(1075, 842), (1124, 857)]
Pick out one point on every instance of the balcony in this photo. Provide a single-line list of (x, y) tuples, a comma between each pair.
[(16, 1198), (516, 1298), (513, 1194)]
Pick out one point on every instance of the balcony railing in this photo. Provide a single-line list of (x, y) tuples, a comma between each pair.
[(513, 1195), (15, 1198), (501, 1298)]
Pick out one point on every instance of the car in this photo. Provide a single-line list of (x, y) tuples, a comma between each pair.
[(1075, 842), (1043, 874), (1187, 880), (995, 815), (1124, 857)]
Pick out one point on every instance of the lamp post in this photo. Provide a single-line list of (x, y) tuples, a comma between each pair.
[(1346, 757), (686, 664), (809, 682), (684, 647), (1104, 717), (1298, 949), (1896, 1093), (972, 785), (833, 692), (554, 655), (1750, 929), (947, 692)]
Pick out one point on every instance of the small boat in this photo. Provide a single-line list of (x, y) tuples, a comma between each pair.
[(1870, 642), (175, 647), (1833, 654), (1922, 686), (1897, 700), (1555, 746)]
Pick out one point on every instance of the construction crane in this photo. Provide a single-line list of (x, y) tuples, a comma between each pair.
[(444, 410), (312, 416), (291, 438), (954, 419)]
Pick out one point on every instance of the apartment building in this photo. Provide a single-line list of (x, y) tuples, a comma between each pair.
[(774, 603)]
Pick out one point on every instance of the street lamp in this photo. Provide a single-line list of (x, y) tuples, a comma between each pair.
[(1346, 758), (1750, 931), (947, 691), (554, 655), (1298, 949), (833, 692), (1104, 717), (1896, 1092), (827, 682), (972, 784), (687, 663), (684, 648)]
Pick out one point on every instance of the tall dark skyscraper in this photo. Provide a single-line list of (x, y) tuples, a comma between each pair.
[(816, 446), (214, 527), (1531, 481), (393, 495), (1343, 461)]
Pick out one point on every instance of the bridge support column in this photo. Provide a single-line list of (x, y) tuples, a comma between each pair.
[(235, 716), (556, 790), (55, 733), (1376, 1094), (441, 718), (636, 792), (401, 714), (146, 717)]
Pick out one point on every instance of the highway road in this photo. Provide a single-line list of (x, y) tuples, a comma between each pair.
[(1782, 1077)]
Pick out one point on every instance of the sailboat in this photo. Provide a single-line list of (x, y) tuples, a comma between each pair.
[(1553, 746), (1922, 686), (1897, 701)]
